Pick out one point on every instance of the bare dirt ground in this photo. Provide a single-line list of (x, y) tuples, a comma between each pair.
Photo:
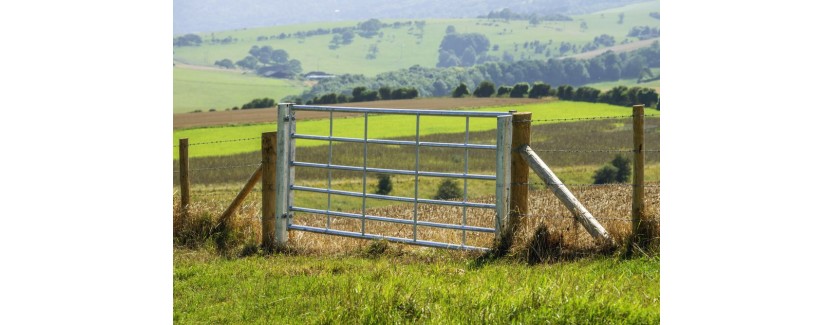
[(266, 115)]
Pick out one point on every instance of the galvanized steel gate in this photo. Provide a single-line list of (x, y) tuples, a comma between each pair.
[(286, 164)]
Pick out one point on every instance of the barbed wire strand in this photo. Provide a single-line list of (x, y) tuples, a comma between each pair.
[(215, 168), (219, 141), (590, 150)]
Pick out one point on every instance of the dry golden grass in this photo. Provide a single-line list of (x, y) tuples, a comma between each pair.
[(611, 205)]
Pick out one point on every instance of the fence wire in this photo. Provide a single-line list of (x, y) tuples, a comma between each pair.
[(219, 141)]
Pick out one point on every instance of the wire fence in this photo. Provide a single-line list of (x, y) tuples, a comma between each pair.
[(588, 145)]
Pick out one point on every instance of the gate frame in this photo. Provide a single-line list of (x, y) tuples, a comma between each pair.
[(286, 163)]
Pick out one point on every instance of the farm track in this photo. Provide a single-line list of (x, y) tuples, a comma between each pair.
[(249, 116)]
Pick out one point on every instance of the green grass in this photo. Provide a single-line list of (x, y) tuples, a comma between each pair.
[(401, 48), (436, 287), (204, 90), (385, 126)]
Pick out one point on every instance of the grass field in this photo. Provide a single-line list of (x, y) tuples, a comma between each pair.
[(386, 126), (401, 48), (434, 287), (206, 89)]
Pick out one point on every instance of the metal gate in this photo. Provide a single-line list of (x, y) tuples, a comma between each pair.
[(286, 165)]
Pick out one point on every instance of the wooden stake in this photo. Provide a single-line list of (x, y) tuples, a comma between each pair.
[(556, 186), (184, 180), (242, 195), (268, 143), (638, 206), (519, 201)]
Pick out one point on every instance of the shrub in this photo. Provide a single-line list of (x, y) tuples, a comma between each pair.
[(485, 89), (624, 168), (503, 90), (448, 190), (519, 90), (384, 184), (605, 175), (460, 91), (539, 89)]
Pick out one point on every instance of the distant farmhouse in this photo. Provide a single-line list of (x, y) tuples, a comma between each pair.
[(317, 75)]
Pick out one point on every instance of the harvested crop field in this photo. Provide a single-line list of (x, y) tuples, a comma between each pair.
[(190, 120)]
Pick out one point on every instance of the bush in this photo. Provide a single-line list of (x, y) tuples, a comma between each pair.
[(605, 175), (539, 89), (460, 91), (485, 89), (519, 90), (384, 184), (448, 190), (618, 171), (624, 168), (503, 90)]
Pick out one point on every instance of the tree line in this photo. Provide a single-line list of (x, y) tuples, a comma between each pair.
[(437, 82)]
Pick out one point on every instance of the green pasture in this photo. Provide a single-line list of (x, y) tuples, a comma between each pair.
[(406, 46), (207, 89), (431, 286), (607, 85), (384, 126)]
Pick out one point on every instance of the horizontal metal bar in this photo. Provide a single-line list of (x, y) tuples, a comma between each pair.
[(397, 111), (396, 142), (393, 198), (393, 171), (392, 220), (392, 239)]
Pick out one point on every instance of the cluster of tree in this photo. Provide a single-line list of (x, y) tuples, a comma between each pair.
[(267, 62), (654, 15), (463, 49), (225, 63), (361, 94), (533, 18), (619, 95), (188, 40), (617, 171), (432, 82), (343, 38), (644, 32), (367, 28), (259, 103)]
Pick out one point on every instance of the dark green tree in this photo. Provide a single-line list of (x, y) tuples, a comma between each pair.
[(484, 89), (383, 185), (623, 166), (385, 92), (539, 89), (605, 175), (519, 90), (503, 91), (448, 190), (460, 91)]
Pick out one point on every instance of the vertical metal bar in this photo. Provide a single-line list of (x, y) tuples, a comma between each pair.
[(504, 165), (290, 177), (416, 178), (281, 197), (330, 171), (466, 180), (364, 176)]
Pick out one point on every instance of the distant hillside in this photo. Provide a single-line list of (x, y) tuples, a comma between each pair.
[(191, 16)]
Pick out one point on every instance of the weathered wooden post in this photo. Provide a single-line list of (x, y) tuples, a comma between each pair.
[(184, 179), (268, 143), (638, 230), (519, 201), (226, 216), (560, 190)]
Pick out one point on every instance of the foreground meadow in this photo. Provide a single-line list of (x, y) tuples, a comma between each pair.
[(429, 286)]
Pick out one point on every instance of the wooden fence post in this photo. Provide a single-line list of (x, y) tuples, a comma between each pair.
[(268, 143), (638, 205), (518, 199), (184, 180)]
